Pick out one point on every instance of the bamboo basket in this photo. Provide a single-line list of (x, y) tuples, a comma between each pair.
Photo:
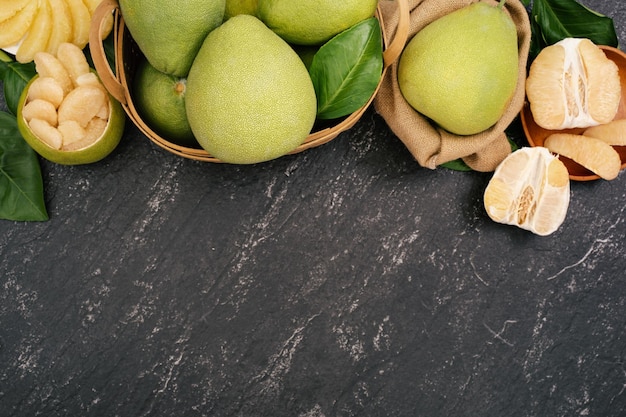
[(127, 55)]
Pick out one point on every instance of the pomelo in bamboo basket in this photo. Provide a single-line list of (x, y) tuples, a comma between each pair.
[(537, 135), (313, 22), (160, 99), (170, 33), (65, 114), (127, 56), (249, 96)]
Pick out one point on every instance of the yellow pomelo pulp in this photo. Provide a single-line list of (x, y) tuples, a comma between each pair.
[(249, 96), (530, 189), (592, 153), (169, 33), (461, 70), (573, 84), (160, 100), (98, 150), (313, 22)]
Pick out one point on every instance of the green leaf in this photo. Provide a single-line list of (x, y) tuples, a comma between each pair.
[(554, 20), (347, 69), (4, 67), (21, 183), (15, 78)]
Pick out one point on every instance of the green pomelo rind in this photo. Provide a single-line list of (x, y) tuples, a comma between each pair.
[(236, 7), (170, 33), (160, 105), (95, 152), (461, 70), (313, 22), (249, 96)]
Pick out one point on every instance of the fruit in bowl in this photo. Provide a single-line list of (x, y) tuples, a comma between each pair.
[(65, 114)]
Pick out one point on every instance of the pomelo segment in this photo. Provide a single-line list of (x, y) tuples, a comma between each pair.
[(613, 133), (37, 37), (594, 154), (13, 29)]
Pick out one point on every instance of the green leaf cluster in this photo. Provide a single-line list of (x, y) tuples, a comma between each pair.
[(554, 20)]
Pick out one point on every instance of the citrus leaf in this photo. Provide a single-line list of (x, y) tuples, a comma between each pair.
[(554, 20), (16, 76), (347, 69), (21, 183)]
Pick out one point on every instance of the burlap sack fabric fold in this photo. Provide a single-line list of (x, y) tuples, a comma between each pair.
[(430, 145)]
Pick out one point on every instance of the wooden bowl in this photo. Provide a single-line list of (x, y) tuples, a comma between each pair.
[(536, 135)]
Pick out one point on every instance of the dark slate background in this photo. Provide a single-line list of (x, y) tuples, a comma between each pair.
[(343, 281)]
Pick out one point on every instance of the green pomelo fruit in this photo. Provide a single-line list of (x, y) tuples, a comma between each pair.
[(313, 22), (235, 7), (461, 70), (170, 33), (249, 96), (160, 101), (95, 152)]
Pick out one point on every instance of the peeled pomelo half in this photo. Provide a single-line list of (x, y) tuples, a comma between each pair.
[(530, 189), (572, 84), (65, 114), (99, 140)]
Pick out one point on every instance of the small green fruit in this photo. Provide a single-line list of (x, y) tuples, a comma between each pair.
[(249, 96), (461, 70), (170, 33), (160, 101)]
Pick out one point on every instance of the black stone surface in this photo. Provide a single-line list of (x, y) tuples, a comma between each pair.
[(342, 281)]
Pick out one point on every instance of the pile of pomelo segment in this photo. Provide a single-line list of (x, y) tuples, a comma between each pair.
[(31, 26)]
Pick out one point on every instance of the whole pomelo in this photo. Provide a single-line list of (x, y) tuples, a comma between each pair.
[(461, 70), (94, 152), (249, 96), (170, 33), (313, 22), (160, 101)]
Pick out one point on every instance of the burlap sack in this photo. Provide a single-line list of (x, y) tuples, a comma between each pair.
[(430, 145)]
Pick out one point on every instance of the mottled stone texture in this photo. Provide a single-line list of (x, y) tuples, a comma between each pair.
[(343, 281)]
